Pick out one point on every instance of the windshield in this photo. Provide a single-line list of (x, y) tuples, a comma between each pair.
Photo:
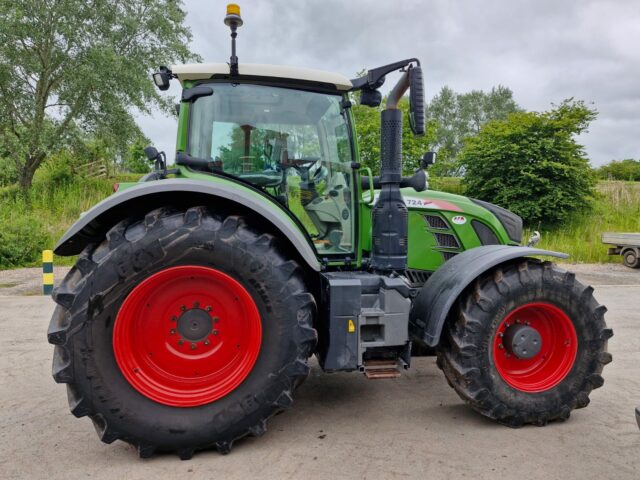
[(293, 144)]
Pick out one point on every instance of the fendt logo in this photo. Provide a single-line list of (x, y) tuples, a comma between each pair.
[(459, 220)]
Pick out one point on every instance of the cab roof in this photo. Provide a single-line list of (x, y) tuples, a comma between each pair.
[(202, 71)]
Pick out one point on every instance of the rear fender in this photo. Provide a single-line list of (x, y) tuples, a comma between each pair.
[(144, 197), (434, 301)]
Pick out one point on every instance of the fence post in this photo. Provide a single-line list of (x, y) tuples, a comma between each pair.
[(47, 272)]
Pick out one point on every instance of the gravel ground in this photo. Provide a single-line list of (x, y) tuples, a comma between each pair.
[(341, 426), (28, 281)]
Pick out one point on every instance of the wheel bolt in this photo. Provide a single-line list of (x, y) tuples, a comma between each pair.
[(500, 334), (216, 319), (208, 309), (174, 319), (196, 304), (517, 320), (172, 331), (527, 322), (180, 342), (206, 342), (501, 346), (215, 332), (183, 307), (193, 346)]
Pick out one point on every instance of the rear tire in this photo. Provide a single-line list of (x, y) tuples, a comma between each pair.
[(101, 380), (503, 386)]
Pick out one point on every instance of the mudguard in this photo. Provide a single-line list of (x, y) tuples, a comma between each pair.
[(431, 307), (92, 225)]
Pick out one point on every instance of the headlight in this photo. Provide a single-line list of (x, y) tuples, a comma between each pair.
[(162, 78)]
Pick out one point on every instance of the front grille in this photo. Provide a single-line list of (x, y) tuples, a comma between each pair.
[(446, 240), (416, 277), (448, 255), (436, 222)]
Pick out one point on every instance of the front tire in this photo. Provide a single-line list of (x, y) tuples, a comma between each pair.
[(182, 331), (548, 368)]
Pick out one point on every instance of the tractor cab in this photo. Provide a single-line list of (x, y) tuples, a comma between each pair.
[(294, 143)]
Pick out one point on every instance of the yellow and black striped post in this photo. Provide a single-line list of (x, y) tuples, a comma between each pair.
[(47, 272)]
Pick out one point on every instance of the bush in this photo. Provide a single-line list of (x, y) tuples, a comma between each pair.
[(531, 164), (57, 170), (22, 240), (8, 172)]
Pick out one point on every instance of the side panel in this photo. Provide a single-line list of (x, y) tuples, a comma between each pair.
[(81, 232), (441, 225), (431, 307)]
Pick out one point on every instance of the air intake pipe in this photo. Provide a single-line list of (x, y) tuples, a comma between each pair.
[(390, 214)]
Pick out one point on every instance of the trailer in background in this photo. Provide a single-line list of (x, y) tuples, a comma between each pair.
[(625, 244)]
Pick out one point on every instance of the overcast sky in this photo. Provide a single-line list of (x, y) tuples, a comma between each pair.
[(544, 50)]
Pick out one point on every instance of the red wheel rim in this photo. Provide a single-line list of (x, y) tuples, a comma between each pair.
[(187, 336), (559, 346)]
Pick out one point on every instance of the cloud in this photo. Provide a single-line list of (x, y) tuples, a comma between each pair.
[(545, 51)]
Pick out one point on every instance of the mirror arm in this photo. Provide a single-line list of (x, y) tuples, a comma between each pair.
[(398, 91), (375, 77)]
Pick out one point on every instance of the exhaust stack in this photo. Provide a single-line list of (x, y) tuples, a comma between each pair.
[(390, 214)]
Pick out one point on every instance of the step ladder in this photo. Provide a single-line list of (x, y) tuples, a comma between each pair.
[(379, 369)]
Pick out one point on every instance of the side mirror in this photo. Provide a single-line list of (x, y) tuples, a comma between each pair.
[(428, 158), (151, 153), (416, 100), (193, 93)]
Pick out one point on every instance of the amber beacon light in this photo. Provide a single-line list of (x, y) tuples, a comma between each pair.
[(233, 21)]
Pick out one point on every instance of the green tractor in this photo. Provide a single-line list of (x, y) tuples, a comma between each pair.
[(200, 292)]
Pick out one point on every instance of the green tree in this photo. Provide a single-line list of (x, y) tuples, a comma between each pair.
[(627, 169), (367, 120), (135, 160), (459, 116), (66, 64), (531, 163)]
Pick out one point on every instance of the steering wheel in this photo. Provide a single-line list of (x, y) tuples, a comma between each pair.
[(301, 165)]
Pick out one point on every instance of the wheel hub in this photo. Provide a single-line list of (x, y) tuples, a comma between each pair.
[(195, 325), (523, 341), (535, 347), (187, 336)]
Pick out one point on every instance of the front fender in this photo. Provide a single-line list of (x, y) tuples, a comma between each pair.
[(433, 303), (143, 197)]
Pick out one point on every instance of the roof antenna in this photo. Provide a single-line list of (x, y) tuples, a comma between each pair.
[(233, 21)]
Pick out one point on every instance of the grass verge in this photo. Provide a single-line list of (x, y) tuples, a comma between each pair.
[(616, 208)]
